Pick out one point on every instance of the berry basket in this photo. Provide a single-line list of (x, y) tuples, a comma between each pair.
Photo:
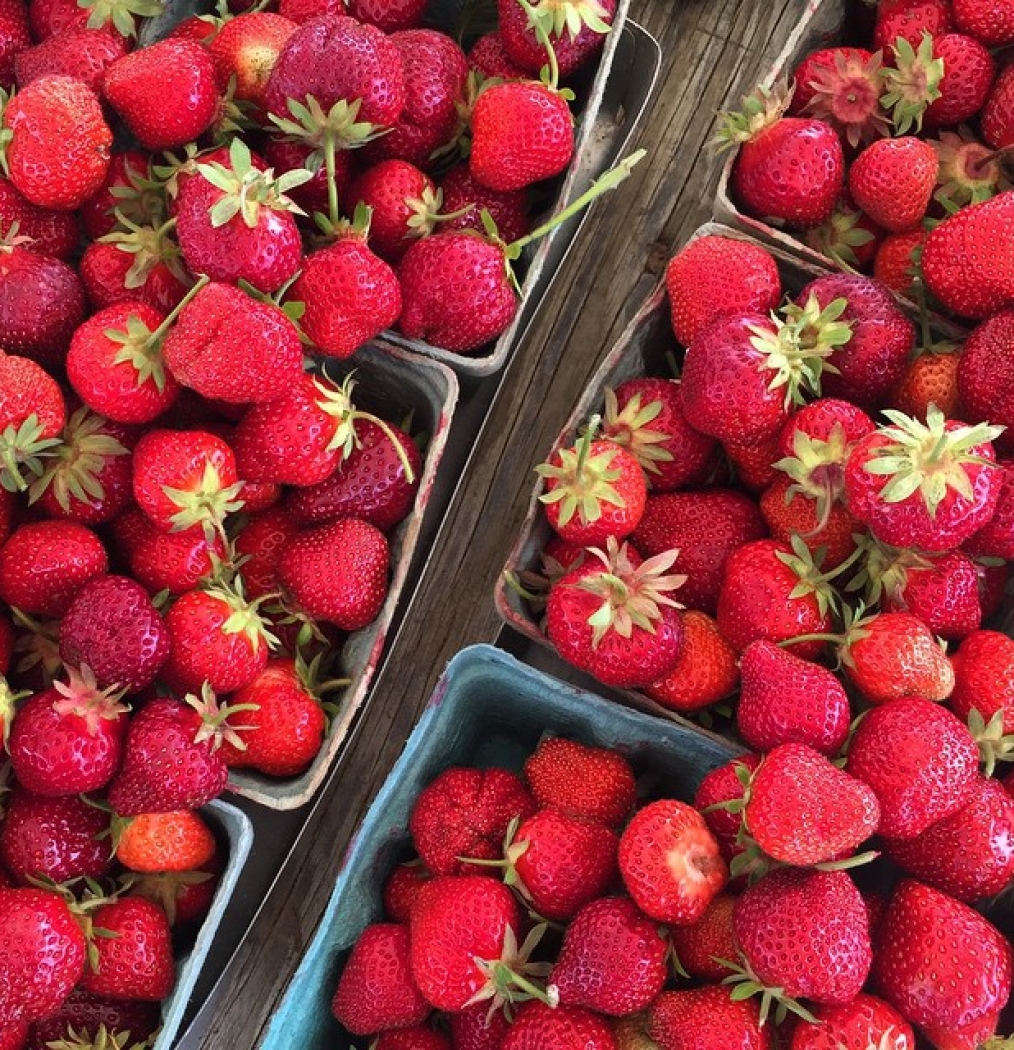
[(612, 97), (234, 833), (393, 384), (487, 709)]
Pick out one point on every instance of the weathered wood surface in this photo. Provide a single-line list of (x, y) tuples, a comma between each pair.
[(713, 51)]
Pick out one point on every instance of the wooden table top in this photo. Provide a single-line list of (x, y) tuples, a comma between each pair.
[(713, 52)]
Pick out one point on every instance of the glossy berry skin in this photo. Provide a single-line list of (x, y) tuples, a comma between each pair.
[(944, 595), (508, 210), (706, 672), (984, 677), (84, 54), (82, 1010), (996, 538), (247, 48), (893, 179), (711, 938), (261, 541), (391, 16), (707, 1019), (985, 368), (395, 191), (866, 1021), (167, 842), (165, 561), (998, 113), (136, 963), (969, 71), (565, 1028), (53, 233), (165, 93), (472, 1029), (989, 21), (910, 19), (104, 269), (522, 47)]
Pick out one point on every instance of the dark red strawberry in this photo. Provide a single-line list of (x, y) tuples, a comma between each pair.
[(700, 947), (404, 205), (489, 58), (477, 1029), (910, 19), (575, 29), (53, 233), (986, 361), (462, 194), (401, 889), (85, 1012), (136, 960), (984, 678), (84, 54), (563, 1027), (706, 1018), (261, 542), (866, 1021), (134, 265), (996, 538), (389, 15), (130, 189)]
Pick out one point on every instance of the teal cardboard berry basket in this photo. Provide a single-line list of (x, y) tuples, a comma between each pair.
[(487, 710)]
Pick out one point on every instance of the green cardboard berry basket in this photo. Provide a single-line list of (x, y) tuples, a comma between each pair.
[(488, 709)]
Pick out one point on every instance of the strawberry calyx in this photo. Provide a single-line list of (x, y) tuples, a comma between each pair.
[(163, 887), (994, 745), (23, 450), (839, 237), (816, 469), (149, 245), (141, 200), (806, 566), (927, 458), (207, 505), (745, 984), (103, 1039), (759, 111), (11, 240), (631, 597), (885, 571), (582, 480), (244, 617), (81, 696), (40, 644), (82, 906), (215, 726), (6, 133), (236, 116), (8, 704), (628, 428), (847, 96), (123, 14), (969, 172), (555, 17), (78, 461), (507, 978), (314, 685), (168, 174), (913, 84)]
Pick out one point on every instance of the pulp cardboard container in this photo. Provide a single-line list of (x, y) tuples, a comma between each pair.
[(234, 833), (390, 383), (488, 710)]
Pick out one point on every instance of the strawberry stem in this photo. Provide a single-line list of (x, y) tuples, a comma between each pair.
[(159, 332), (332, 185)]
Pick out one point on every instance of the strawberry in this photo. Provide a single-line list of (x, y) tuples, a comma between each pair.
[(247, 47), (645, 415), (559, 863), (54, 838), (53, 233), (115, 363), (575, 30), (412, 1039), (866, 1021), (15, 39), (489, 58), (670, 862), (216, 637), (706, 527), (712, 938), (716, 275), (84, 54), (970, 172), (376, 990), (185, 896), (402, 888), (787, 168), (892, 180), (848, 237), (707, 1018), (42, 954), (564, 1028), (940, 964), (154, 842), (997, 119), (86, 1013), (804, 934), (843, 86), (587, 783), (128, 188), (613, 959), (464, 200), (931, 379), (165, 93), (371, 483), (912, 83), (968, 76), (987, 359), (466, 813), (166, 561), (477, 1029), (894, 264), (773, 591), (435, 71), (261, 542), (984, 677), (337, 573), (404, 205), (929, 485), (32, 415), (802, 810), (69, 738), (350, 295), (871, 362), (58, 147), (996, 538), (595, 490), (920, 760), (614, 617), (391, 16), (134, 265), (706, 672), (819, 522), (786, 700), (230, 347), (184, 478), (235, 222), (44, 564), (989, 21), (752, 461), (171, 759), (968, 855), (958, 270), (910, 20), (14, 1037)]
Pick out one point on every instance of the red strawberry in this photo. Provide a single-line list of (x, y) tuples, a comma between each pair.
[(350, 295), (337, 573), (996, 538), (849, 237), (575, 29), (968, 76), (112, 628), (706, 672), (940, 964), (931, 379), (462, 194), (706, 527), (261, 541), (866, 1021), (165, 842), (998, 112), (594, 490), (53, 233), (84, 54), (588, 783), (45, 563), (716, 275), (128, 188), (171, 759), (59, 146), (134, 266), (920, 761), (712, 938), (68, 739), (787, 168), (15, 39), (989, 21), (707, 1019), (910, 19), (614, 617), (32, 415), (970, 171), (389, 15), (968, 855), (987, 359), (984, 677), (42, 954), (819, 522), (186, 897), (894, 265), (247, 47), (283, 156), (802, 810), (489, 57), (136, 961), (85, 1012), (404, 205), (54, 838), (613, 959), (376, 990), (784, 699), (476, 1029), (466, 813), (412, 1039), (565, 1028), (843, 86), (402, 888), (892, 180), (805, 934), (670, 862)]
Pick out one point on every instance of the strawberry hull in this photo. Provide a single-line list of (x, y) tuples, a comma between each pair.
[(487, 710)]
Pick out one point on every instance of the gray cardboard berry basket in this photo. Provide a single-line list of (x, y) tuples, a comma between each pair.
[(612, 99), (234, 833), (391, 383), (488, 709)]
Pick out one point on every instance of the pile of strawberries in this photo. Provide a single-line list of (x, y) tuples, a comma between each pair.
[(896, 158), (560, 909)]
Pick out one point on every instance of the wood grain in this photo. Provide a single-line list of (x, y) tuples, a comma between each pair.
[(714, 51)]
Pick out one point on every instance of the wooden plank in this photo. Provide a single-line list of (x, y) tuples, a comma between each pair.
[(713, 53)]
